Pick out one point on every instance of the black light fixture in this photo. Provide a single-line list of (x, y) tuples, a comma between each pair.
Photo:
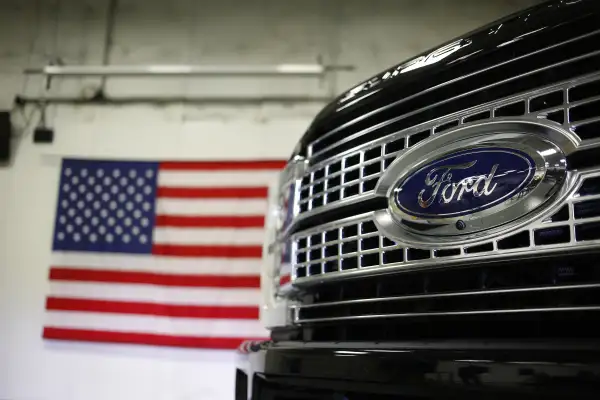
[(42, 133), (5, 136)]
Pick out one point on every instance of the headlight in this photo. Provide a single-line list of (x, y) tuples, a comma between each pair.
[(279, 253)]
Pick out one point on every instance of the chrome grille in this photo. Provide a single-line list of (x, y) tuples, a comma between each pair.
[(344, 271), (354, 244)]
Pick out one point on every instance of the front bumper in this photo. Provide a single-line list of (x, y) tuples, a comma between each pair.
[(444, 370)]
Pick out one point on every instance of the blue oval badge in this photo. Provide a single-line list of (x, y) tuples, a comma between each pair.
[(465, 182)]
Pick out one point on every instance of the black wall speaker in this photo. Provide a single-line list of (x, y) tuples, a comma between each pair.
[(43, 135), (5, 136)]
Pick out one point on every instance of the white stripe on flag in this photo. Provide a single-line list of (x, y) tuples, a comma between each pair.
[(223, 236), (147, 263), (156, 325), (156, 294), (216, 178), (285, 269), (211, 207)]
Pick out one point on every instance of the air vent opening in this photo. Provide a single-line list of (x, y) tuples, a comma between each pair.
[(556, 116), (589, 231), (446, 253), (588, 131), (446, 126), (393, 256), (587, 209), (417, 137), (482, 248), (590, 186), (560, 215), (584, 91), (584, 111), (555, 235), (349, 263), (549, 100), (372, 153), (517, 241), (511, 110), (417, 254), (477, 117)]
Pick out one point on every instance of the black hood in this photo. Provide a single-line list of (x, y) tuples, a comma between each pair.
[(436, 70)]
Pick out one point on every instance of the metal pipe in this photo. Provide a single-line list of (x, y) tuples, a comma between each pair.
[(185, 70), (111, 15), (101, 100)]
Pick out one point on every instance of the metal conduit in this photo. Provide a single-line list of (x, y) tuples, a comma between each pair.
[(187, 70)]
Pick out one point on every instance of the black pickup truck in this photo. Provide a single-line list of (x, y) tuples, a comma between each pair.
[(438, 227)]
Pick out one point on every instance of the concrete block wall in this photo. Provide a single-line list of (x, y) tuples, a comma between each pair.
[(369, 35)]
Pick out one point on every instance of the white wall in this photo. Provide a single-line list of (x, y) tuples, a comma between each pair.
[(370, 35)]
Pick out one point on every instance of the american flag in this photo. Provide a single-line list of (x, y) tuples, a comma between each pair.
[(159, 253)]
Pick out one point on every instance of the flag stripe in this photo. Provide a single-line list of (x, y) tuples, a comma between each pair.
[(283, 279), (167, 265), (155, 324), (149, 278), (149, 339), (213, 192), (209, 236), (211, 207), (222, 165), (151, 293), (166, 310), (208, 251), (230, 221), (215, 178)]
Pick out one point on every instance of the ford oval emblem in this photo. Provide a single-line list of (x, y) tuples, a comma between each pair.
[(465, 182), (477, 180)]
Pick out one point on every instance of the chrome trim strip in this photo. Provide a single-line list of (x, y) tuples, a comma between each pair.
[(448, 313), (452, 294)]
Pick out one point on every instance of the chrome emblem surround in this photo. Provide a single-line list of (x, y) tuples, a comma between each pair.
[(539, 147)]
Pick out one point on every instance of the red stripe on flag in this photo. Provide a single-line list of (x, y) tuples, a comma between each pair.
[(284, 279), (222, 165), (251, 221), (207, 251), (151, 278), (143, 338), (213, 193), (141, 308)]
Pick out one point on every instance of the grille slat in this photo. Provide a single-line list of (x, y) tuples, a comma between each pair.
[(454, 294), (456, 313)]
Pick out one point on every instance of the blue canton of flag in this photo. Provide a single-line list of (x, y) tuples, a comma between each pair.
[(106, 206)]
